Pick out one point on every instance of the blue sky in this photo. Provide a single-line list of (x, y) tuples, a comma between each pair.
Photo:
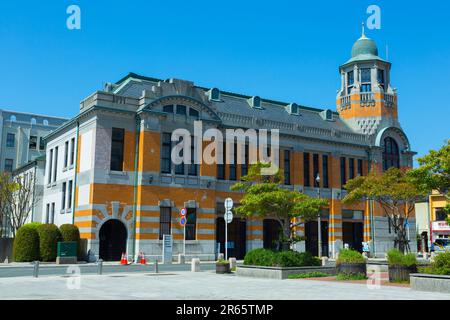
[(282, 50)]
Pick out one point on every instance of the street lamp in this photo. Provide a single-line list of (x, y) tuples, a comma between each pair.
[(319, 223)]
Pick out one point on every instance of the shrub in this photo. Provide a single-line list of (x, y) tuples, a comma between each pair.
[(295, 259), (440, 265), (33, 225), (222, 261), (70, 232), (26, 244), (268, 258), (49, 235), (350, 256), (351, 276), (260, 257), (313, 274), (397, 258)]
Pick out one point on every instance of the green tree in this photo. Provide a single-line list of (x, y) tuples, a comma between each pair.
[(395, 192), (265, 196), (434, 173)]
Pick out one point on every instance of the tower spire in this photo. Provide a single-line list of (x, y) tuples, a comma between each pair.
[(363, 35)]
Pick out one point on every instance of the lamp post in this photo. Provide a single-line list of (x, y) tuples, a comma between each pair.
[(319, 223)]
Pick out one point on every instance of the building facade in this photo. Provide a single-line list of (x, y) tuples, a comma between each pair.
[(22, 136), (439, 228), (109, 169)]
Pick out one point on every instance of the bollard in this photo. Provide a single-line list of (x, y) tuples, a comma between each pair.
[(181, 258), (195, 265), (156, 266), (324, 261), (232, 263), (100, 266), (36, 269), (220, 256)]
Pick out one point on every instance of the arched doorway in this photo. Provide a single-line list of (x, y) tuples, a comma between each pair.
[(237, 236), (113, 240)]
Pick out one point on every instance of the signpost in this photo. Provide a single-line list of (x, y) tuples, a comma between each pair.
[(183, 221), (228, 217)]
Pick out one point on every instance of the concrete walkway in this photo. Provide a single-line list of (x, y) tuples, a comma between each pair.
[(202, 285)]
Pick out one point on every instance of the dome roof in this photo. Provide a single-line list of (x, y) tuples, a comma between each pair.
[(364, 46)]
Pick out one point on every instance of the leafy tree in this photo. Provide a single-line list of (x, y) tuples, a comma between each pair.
[(434, 173), (23, 199), (395, 191), (265, 196), (7, 188)]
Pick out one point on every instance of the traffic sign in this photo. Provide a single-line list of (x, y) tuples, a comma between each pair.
[(183, 221), (228, 204), (183, 211), (228, 216)]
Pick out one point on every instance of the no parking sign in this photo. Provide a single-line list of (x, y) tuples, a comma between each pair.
[(183, 219)]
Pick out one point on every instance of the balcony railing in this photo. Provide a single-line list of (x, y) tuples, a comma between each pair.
[(367, 97), (389, 100)]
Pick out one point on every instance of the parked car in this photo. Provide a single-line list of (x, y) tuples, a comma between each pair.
[(441, 245)]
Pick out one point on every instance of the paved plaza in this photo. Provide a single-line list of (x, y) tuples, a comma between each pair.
[(201, 285)]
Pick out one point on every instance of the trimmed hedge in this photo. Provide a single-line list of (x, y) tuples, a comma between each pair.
[(26, 244), (269, 258), (260, 257), (350, 256), (397, 258), (33, 225), (70, 232), (296, 259), (49, 235)]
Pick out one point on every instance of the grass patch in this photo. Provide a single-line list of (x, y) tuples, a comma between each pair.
[(400, 281), (352, 276), (314, 274), (350, 256), (397, 258)]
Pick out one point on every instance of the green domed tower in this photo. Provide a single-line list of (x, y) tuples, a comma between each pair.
[(366, 99)]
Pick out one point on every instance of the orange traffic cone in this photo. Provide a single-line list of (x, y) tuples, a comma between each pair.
[(123, 260), (142, 258)]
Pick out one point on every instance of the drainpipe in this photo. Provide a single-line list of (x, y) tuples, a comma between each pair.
[(136, 158), (372, 224), (430, 228), (76, 171), (34, 192)]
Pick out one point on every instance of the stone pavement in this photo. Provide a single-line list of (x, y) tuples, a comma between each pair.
[(202, 285)]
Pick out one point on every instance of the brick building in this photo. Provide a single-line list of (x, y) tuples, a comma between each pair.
[(109, 171)]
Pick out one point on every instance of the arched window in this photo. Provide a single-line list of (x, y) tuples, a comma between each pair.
[(12, 118), (391, 156), (33, 121)]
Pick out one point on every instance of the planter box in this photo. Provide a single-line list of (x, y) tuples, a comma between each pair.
[(279, 273), (222, 268), (401, 273), (430, 282), (351, 268)]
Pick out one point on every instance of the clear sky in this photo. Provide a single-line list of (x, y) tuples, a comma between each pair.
[(281, 50)]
